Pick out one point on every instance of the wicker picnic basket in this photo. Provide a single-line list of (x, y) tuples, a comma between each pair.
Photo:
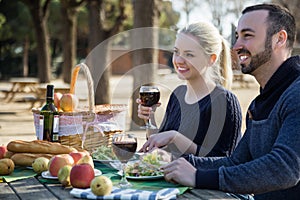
[(92, 126)]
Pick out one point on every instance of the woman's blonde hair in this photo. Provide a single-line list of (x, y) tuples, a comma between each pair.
[(212, 42)]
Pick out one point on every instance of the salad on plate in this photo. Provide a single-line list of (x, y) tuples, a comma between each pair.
[(148, 165), (104, 153)]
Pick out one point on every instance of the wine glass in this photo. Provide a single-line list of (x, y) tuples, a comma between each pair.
[(124, 146), (149, 96)]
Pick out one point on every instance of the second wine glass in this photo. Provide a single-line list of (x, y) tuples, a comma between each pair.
[(124, 147), (149, 96)]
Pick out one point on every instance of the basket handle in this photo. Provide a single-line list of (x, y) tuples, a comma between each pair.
[(90, 84)]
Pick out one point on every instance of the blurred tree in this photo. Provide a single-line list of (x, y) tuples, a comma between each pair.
[(39, 12), (106, 19), (144, 59), (15, 33), (56, 37), (69, 10), (189, 5), (168, 19)]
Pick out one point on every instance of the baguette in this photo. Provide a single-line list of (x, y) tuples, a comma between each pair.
[(38, 146), (26, 159)]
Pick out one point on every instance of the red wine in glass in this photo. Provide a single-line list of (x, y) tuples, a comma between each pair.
[(124, 146), (124, 150), (149, 96)]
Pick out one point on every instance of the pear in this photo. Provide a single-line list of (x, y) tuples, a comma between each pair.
[(7, 166), (86, 159), (101, 185), (64, 175), (40, 164)]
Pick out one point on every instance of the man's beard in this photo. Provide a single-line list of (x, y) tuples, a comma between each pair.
[(259, 59)]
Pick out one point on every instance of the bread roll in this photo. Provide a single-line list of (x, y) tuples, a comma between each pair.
[(38, 146), (26, 159)]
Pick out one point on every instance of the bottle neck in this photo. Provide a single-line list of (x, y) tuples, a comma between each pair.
[(49, 100), (50, 94)]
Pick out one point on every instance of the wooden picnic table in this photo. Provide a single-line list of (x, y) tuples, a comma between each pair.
[(32, 188), (21, 85), (32, 87)]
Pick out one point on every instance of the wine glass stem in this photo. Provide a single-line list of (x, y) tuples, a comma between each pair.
[(148, 122), (124, 180)]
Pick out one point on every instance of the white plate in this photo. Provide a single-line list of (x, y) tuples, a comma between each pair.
[(47, 175), (145, 177)]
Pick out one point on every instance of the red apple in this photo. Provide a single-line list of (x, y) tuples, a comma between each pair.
[(77, 156), (57, 97), (81, 175), (58, 161), (3, 150)]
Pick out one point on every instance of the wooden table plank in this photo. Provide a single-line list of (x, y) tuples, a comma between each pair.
[(204, 194), (31, 188), (62, 192), (7, 192)]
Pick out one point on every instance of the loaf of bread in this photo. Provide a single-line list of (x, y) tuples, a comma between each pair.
[(38, 146), (26, 159)]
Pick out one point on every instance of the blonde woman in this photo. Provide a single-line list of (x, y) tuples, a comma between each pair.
[(202, 117)]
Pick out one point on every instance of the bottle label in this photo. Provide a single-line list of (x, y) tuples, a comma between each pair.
[(56, 124), (41, 127), (55, 128)]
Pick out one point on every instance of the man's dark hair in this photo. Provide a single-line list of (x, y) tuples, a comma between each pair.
[(279, 18)]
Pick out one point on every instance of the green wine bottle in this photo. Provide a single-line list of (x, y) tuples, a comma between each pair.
[(49, 118)]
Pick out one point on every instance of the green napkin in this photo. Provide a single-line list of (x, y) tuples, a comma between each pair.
[(19, 173)]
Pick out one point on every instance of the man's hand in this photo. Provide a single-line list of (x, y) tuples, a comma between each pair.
[(180, 171)]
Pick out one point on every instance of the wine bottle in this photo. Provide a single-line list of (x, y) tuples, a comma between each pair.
[(49, 118)]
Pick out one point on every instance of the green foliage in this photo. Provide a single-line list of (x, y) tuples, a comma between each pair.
[(2, 20), (16, 25), (54, 25), (18, 22), (168, 17)]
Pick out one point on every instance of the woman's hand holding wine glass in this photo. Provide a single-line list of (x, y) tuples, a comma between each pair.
[(149, 96), (124, 146)]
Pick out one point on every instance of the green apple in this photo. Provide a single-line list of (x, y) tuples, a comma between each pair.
[(101, 185)]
